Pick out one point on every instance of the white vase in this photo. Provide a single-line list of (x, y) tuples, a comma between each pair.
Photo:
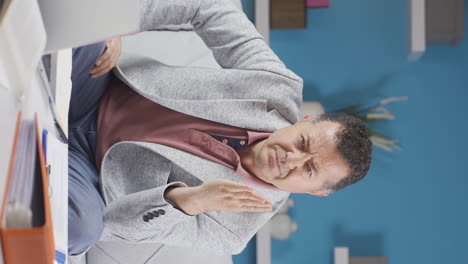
[(312, 108), (282, 226)]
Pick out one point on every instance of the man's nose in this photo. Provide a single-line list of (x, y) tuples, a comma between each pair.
[(296, 159)]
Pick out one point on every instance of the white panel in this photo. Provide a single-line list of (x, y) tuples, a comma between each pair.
[(264, 245), (312, 108), (173, 48), (417, 29), (262, 18), (61, 80), (341, 255), (22, 41), (71, 23)]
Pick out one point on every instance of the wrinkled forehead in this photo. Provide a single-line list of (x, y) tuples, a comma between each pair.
[(323, 132), (323, 141)]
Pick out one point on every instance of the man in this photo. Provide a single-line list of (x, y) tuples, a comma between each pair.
[(194, 156)]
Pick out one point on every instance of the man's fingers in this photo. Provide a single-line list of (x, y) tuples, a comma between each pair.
[(108, 59), (258, 197), (248, 208), (109, 42), (106, 55), (249, 196), (238, 187), (243, 191), (101, 72), (102, 65), (252, 202), (252, 196), (107, 66)]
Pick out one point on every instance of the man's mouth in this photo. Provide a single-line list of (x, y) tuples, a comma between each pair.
[(278, 159), (277, 163)]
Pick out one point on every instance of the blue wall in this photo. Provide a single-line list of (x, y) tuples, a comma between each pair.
[(412, 206)]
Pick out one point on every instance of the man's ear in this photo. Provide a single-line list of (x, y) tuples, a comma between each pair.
[(318, 193), (304, 119)]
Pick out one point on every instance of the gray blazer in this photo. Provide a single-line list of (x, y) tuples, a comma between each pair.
[(253, 90)]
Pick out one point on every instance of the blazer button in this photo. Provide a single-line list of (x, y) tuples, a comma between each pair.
[(204, 138), (162, 212), (145, 218), (156, 213), (150, 215)]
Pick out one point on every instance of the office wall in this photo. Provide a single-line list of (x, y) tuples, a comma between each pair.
[(412, 206)]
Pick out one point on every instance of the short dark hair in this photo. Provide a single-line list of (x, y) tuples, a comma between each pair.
[(353, 144)]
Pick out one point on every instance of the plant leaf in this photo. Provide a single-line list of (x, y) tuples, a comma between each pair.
[(350, 109), (378, 134)]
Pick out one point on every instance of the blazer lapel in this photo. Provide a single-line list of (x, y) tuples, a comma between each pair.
[(129, 168)]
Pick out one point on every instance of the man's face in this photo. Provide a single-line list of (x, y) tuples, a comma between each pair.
[(301, 158)]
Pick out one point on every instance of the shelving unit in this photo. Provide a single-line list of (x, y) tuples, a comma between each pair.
[(417, 29), (262, 18)]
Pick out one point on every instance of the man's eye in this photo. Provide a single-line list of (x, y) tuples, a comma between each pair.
[(302, 141), (309, 170)]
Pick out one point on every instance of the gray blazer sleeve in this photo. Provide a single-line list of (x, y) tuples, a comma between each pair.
[(225, 30), (217, 232), (124, 215), (134, 180), (250, 70)]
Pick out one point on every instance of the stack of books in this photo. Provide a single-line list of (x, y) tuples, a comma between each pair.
[(291, 14), (25, 217)]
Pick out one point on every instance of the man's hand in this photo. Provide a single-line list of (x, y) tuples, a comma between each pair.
[(218, 195), (109, 58)]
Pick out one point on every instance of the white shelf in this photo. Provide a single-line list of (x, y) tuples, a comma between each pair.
[(417, 29), (341, 255), (262, 18), (264, 245)]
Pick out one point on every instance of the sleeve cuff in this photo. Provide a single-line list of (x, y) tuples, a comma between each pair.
[(169, 187)]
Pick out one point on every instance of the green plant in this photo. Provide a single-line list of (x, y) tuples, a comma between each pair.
[(373, 114)]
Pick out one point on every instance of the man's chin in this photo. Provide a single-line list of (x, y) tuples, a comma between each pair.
[(265, 177), (270, 178)]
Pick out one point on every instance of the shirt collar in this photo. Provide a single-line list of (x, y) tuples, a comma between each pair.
[(240, 171), (252, 137)]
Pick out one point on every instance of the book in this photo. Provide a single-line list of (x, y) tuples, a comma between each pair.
[(318, 3), (289, 14), (25, 217)]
